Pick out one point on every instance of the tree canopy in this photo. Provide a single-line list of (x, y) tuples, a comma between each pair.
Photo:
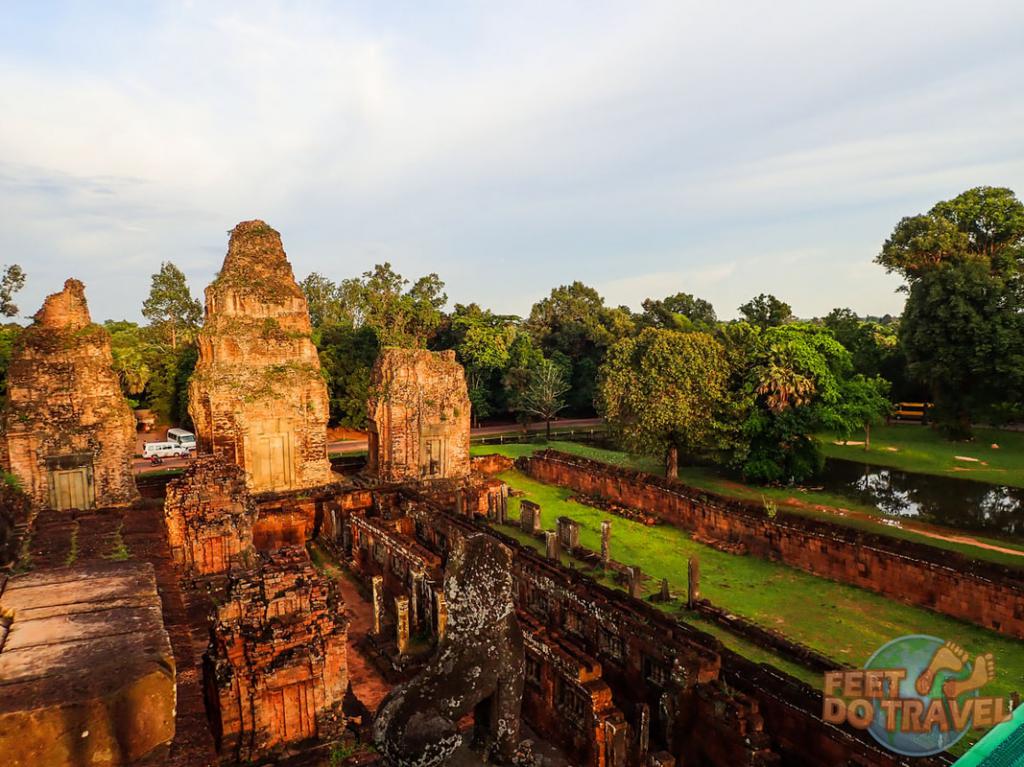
[(170, 307), (766, 311), (662, 391)]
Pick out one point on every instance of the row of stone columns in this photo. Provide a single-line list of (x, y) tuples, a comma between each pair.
[(567, 535), (406, 611)]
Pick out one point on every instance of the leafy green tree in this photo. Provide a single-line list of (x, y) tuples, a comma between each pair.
[(544, 396), (575, 323), (170, 306), (766, 311), (863, 402), (132, 355), (347, 355), (329, 303), (983, 224), (9, 334), (961, 329), (875, 350), (662, 390), (400, 315), (792, 386), (481, 341), (523, 358), (12, 281), (963, 332), (680, 311)]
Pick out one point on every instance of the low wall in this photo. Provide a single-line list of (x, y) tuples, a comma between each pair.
[(982, 593)]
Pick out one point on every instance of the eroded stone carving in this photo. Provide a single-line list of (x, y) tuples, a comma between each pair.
[(276, 669), (257, 397), (209, 515), (68, 433), (419, 416), (478, 666)]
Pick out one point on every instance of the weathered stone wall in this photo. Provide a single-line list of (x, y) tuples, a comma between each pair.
[(68, 434), (419, 416), (209, 515), (276, 669), (981, 593), (673, 672), (257, 396), (492, 463)]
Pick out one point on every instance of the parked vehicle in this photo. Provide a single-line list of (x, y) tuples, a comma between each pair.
[(182, 438), (153, 450)]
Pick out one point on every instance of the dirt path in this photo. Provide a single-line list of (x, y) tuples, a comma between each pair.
[(367, 683), (927, 532)]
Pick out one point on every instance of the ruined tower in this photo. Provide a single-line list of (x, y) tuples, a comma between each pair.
[(68, 432), (276, 669), (257, 397), (419, 416)]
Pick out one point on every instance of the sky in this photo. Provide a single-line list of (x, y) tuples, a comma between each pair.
[(720, 149)]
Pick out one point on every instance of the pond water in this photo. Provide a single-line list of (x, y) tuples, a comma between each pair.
[(962, 503)]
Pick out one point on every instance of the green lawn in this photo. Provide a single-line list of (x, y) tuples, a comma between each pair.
[(923, 450), (809, 503), (843, 622)]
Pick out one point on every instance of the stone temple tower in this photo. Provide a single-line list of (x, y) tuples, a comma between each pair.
[(419, 416), (68, 433), (257, 397)]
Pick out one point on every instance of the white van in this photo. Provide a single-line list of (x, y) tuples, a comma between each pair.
[(182, 438), (164, 450)]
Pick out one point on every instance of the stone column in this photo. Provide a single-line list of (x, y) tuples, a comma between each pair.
[(693, 590), (606, 542), (402, 624), (551, 541), (529, 517), (635, 575), (643, 735), (666, 592), (414, 600), (378, 603), (503, 505), (442, 614)]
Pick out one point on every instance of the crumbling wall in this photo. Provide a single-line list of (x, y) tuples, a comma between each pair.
[(209, 516), (276, 669), (978, 592), (67, 432), (419, 416), (257, 396)]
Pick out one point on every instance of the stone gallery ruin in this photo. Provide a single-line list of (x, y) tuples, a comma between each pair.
[(262, 608)]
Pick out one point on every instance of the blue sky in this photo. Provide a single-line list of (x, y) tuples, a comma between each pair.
[(644, 148)]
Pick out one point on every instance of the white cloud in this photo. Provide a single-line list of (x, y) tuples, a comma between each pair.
[(509, 149)]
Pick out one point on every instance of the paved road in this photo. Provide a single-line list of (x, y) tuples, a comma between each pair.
[(141, 465)]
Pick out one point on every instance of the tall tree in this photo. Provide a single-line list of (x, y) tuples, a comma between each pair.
[(399, 314), (573, 325), (662, 391), (793, 384), (544, 396), (12, 281), (347, 355), (170, 306), (329, 303), (680, 311), (766, 311), (962, 330)]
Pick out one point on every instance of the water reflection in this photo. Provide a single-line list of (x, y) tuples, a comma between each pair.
[(960, 503)]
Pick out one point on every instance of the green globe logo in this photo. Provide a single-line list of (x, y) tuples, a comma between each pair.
[(936, 671)]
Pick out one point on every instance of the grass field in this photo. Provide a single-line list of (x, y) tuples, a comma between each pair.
[(817, 505), (843, 622), (923, 450)]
